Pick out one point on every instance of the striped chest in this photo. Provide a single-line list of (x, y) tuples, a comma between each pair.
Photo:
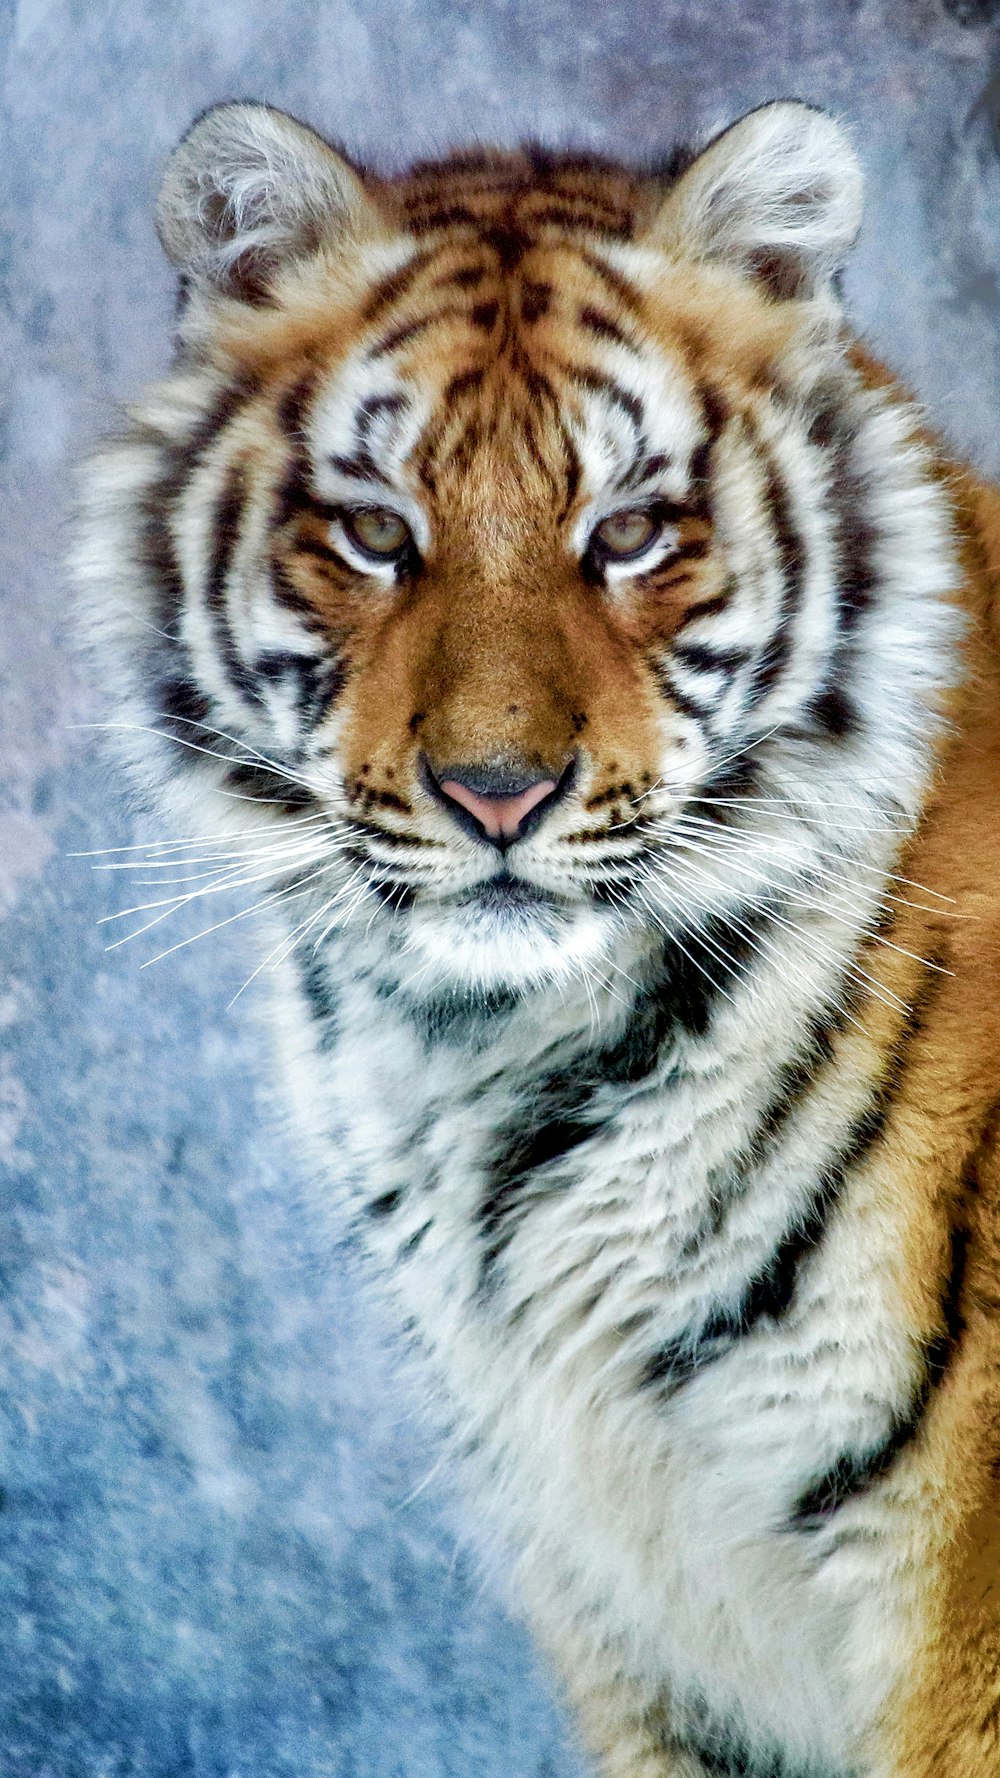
[(635, 1253)]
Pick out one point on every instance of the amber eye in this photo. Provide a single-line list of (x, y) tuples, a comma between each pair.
[(377, 532), (625, 534)]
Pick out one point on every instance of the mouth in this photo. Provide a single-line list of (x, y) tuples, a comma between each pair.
[(505, 894)]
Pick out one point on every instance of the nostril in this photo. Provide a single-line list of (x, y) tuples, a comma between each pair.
[(501, 816)]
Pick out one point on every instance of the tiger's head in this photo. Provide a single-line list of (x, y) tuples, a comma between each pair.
[(503, 524)]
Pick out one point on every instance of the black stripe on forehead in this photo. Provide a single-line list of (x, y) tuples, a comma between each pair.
[(602, 383), (360, 462)]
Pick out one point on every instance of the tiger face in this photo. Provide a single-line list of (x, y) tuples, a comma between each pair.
[(493, 526)]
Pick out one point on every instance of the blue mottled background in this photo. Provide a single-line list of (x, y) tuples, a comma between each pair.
[(218, 1554)]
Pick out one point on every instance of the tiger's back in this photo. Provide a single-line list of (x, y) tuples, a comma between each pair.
[(604, 665)]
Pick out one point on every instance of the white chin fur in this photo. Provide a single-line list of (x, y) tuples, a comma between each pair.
[(481, 947)]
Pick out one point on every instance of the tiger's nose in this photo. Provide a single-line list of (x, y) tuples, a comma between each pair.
[(499, 799)]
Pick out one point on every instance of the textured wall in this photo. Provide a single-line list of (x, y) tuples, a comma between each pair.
[(217, 1552)]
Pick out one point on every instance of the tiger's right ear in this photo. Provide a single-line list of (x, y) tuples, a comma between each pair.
[(248, 189)]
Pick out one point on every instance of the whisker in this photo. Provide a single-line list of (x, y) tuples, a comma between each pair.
[(212, 839), (251, 755), (815, 944)]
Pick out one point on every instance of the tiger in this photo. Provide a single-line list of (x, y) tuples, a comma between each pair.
[(528, 583)]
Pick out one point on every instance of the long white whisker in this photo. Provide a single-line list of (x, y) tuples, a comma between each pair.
[(255, 758), (853, 915), (815, 944)]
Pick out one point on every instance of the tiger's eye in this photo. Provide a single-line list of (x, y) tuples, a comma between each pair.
[(377, 531), (626, 534)]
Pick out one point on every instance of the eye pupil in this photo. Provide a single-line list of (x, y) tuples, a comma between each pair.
[(377, 530), (626, 533)]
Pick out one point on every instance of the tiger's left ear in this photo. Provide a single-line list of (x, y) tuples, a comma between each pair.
[(778, 195)]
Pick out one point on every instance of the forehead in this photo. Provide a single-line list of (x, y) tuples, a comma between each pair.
[(515, 329)]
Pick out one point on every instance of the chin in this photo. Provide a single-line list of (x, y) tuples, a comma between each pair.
[(506, 937)]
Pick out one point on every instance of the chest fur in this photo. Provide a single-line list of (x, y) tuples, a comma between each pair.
[(653, 1324)]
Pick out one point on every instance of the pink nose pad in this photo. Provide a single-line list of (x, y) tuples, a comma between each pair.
[(501, 816)]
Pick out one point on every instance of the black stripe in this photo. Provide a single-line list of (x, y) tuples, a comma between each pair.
[(796, 1079), (856, 538), (687, 705), (226, 526), (603, 327), (373, 408), (319, 680), (262, 784), (572, 469), (619, 285), (181, 705), (407, 330), (715, 416), (291, 409), (159, 502), (792, 555), (726, 1750), (834, 712), (284, 593), (564, 1108), (708, 607), (601, 383), (703, 658), (319, 996), (394, 287), (535, 453), (770, 1294), (361, 466), (854, 1472), (412, 1242)]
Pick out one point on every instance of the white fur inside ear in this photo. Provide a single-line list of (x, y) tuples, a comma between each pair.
[(247, 188), (778, 194)]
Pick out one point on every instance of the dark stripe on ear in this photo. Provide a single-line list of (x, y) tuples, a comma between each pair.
[(226, 527)]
